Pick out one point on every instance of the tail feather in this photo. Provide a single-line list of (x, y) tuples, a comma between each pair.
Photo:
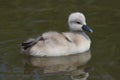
[(27, 44), (30, 42)]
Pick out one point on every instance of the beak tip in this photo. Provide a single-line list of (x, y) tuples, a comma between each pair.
[(87, 28), (91, 30)]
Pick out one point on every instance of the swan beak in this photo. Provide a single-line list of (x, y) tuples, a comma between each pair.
[(87, 28)]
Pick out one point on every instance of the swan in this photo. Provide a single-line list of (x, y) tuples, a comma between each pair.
[(53, 43)]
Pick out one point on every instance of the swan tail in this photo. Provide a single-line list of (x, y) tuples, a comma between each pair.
[(27, 44)]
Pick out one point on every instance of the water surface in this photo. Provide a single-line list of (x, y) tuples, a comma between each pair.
[(22, 19)]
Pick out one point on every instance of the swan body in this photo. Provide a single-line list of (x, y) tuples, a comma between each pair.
[(54, 43)]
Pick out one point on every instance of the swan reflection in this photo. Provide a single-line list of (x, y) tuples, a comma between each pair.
[(73, 65)]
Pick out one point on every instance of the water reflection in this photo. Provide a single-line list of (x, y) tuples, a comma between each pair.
[(73, 65)]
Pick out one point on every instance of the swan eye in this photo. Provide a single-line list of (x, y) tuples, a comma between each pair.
[(78, 22)]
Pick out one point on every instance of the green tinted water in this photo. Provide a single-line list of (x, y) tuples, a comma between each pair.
[(22, 19)]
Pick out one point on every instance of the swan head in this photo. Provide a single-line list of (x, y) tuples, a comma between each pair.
[(77, 22)]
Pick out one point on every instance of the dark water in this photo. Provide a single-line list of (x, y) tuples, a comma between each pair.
[(21, 19)]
